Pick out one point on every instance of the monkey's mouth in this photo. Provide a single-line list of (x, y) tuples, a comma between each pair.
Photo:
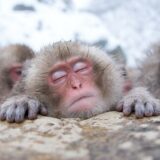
[(81, 98), (82, 102)]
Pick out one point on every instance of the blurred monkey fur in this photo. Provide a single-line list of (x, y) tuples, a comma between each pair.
[(149, 70), (12, 58)]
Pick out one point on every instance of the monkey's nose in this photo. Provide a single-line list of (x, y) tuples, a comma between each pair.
[(77, 86), (76, 83)]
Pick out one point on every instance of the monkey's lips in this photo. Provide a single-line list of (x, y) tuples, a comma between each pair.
[(82, 103)]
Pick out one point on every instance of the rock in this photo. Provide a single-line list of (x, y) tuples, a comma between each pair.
[(103, 137)]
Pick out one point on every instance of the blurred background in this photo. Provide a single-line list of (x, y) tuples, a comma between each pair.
[(128, 27)]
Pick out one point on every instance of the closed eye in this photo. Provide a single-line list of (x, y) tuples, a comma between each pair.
[(18, 71), (58, 75), (80, 66)]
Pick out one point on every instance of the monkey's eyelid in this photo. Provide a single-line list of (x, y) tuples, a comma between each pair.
[(79, 66), (58, 74)]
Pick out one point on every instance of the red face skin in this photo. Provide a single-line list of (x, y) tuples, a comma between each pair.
[(73, 80), (15, 72), (127, 86)]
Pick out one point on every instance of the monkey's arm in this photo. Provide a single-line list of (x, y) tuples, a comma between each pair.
[(141, 102), (19, 106)]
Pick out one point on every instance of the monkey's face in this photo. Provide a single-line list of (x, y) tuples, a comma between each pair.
[(12, 58), (15, 72), (73, 81)]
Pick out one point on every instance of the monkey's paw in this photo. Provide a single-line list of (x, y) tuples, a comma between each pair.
[(17, 108), (141, 102)]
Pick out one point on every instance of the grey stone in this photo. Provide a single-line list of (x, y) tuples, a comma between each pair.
[(103, 137)]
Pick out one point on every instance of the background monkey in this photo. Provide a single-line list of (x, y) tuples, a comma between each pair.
[(12, 58), (150, 71), (69, 79)]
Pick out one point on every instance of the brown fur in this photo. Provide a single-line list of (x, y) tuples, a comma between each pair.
[(150, 71), (9, 55)]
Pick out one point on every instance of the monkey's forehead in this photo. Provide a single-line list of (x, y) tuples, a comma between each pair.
[(16, 52), (64, 50)]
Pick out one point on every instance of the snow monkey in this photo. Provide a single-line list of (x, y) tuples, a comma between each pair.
[(69, 79), (150, 71), (12, 58)]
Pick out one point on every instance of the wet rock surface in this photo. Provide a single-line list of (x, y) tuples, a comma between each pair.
[(104, 137)]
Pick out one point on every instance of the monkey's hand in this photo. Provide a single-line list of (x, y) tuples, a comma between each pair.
[(141, 102), (17, 108)]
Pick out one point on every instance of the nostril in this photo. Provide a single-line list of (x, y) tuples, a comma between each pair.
[(77, 86), (74, 87), (76, 83)]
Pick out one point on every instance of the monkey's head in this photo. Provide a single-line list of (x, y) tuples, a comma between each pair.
[(76, 80), (12, 58)]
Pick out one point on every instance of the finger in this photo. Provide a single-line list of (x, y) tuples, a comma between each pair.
[(119, 107), (3, 111), (139, 109), (148, 112), (43, 110), (156, 108), (33, 108), (10, 114), (128, 107), (20, 113)]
